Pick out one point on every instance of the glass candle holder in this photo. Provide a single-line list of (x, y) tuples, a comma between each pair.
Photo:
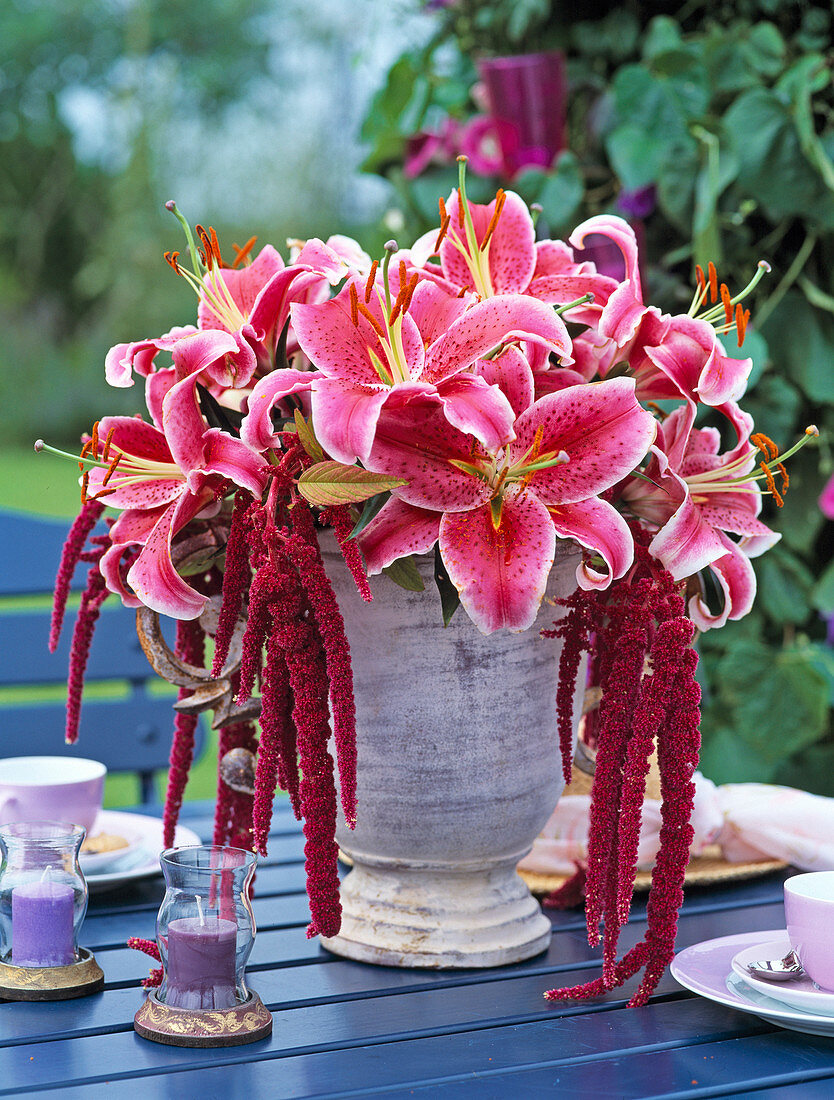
[(205, 928), (43, 894)]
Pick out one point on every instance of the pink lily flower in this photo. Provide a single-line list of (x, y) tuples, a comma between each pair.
[(367, 352), (497, 512), (695, 498), (669, 356), (162, 479)]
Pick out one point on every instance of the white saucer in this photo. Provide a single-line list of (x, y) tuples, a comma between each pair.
[(141, 858), (799, 993), (706, 969)]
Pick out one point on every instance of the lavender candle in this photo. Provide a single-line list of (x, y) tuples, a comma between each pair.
[(42, 924), (201, 963)]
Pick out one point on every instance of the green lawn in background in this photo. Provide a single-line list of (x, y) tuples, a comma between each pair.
[(48, 485)]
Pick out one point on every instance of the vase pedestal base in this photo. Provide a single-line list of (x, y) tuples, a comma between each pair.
[(422, 916)]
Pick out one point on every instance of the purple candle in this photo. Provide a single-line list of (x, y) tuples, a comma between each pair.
[(201, 963), (42, 924)]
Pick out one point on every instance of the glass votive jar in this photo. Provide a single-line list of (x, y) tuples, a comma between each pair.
[(205, 928), (43, 894)]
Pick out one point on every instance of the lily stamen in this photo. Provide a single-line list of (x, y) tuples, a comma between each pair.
[(369, 285), (242, 254)]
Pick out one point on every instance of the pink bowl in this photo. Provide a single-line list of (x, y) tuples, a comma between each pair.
[(809, 914), (51, 788)]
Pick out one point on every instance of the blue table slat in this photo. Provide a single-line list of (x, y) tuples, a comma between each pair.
[(346, 1029)]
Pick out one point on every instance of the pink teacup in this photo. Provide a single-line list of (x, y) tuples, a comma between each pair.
[(809, 914), (53, 788)]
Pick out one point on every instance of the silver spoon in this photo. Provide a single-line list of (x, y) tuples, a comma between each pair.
[(778, 970)]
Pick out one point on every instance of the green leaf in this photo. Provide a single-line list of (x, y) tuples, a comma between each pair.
[(663, 35), (373, 505), (822, 594), (404, 572), (725, 758), (784, 585), (449, 595), (307, 437), (800, 339), (777, 705), (775, 406), (562, 192), (330, 482)]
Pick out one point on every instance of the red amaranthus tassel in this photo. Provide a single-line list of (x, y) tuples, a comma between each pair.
[(76, 540), (190, 646), (646, 668), (149, 947)]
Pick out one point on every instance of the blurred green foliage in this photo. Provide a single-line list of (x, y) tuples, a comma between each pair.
[(83, 83), (727, 111)]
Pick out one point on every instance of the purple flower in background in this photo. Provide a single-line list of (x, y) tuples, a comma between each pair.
[(638, 203), (827, 499)]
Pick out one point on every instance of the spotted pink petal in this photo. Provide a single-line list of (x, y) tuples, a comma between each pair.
[(202, 349), (737, 580), (686, 543), (511, 372), (257, 430), (136, 439), (153, 576), (272, 307), (244, 285), (556, 258), (624, 309), (598, 526), (602, 428), (692, 357), (123, 359), (435, 309), (397, 530), (183, 425), (327, 335), (110, 569), (345, 415), (501, 574), (472, 405), (826, 501), (232, 459), (496, 320), (157, 386), (415, 441), (561, 289), (512, 249)]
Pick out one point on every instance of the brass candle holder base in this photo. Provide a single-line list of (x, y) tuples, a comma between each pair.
[(51, 983), (186, 1027)]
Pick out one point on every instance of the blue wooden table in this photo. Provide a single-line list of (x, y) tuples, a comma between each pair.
[(346, 1029)]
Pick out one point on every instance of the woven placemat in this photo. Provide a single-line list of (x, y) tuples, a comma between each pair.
[(704, 870)]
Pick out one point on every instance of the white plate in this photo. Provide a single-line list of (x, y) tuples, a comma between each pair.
[(706, 969), (115, 824), (141, 859), (799, 993)]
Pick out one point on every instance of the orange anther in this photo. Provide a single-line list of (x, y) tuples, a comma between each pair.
[(111, 469), (780, 466), (461, 210), (85, 481), (94, 441), (215, 247), (463, 290), (765, 444), (369, 317), (742, 317), (369, 286), (713, 282), (500, 199), (242, 254), (354, 304), (727, 303), (700, 278), (105, 454), (444, 229), (171, 258)]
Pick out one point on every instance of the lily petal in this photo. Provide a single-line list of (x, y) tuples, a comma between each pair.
[(512, 249), (256, 429), (602, 428), (345, 415), (472, 405), (511, 372), (501, 573), (397, 530), (737, 579), (598, 526)]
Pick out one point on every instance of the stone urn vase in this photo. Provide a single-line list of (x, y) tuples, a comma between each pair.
[(458, 770)]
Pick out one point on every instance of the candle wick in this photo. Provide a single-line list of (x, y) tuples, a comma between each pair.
[(199, 901), (46, 871)]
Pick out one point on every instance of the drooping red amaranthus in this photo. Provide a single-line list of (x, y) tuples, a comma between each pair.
[(302, 549), (340, 520), (277, 750), (92, 598), (233, 811), (643, 617), (190, 647), (236, 577), (574, 631), (76, 540), (149, 947)]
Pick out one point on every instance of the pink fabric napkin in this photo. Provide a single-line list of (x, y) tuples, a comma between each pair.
[(749, 821)]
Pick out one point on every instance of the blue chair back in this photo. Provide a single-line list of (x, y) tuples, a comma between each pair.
[(124, 723)]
